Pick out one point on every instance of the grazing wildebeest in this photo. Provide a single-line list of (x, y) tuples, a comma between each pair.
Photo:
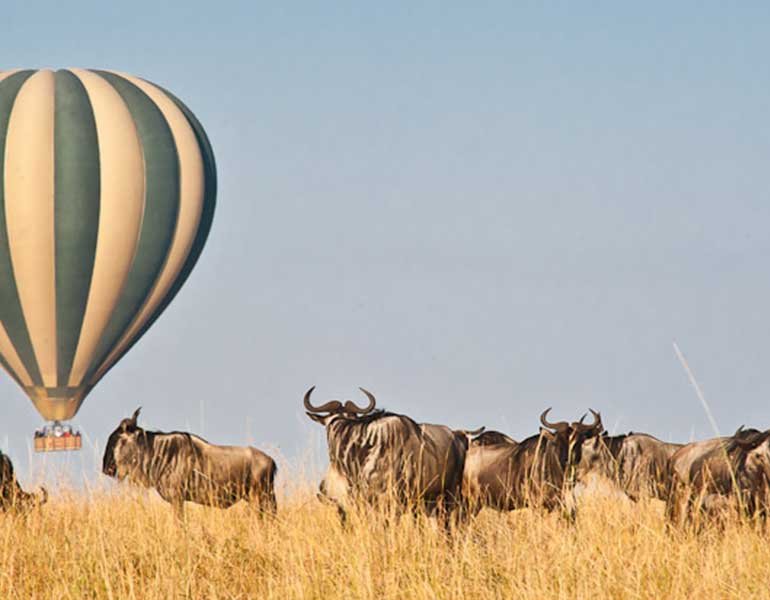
[(12, 497), (637, 462), (538, 471), (722, 472), (389, 460), (184, 467), (683, 459)]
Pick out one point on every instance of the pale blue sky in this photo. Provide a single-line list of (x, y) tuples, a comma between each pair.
[(474, 210)]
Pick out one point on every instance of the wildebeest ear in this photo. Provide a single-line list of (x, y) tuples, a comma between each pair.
[(549, 435), (755, 441), (317, 418), (130, 424)]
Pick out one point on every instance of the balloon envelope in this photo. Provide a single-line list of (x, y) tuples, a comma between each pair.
[(107, 192)]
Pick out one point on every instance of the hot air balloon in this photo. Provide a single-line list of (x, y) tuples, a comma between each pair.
[(107, 193)]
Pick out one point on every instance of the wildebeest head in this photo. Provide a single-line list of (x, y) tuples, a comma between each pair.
[(596, 455), (335, 409), (756, 446), (12, 497), (122, 447), (568, 438)]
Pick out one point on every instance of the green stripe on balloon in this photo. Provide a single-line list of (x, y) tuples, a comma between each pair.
[(76, 201), (10, 371), (160, 213), (11, 313), (204, 227)]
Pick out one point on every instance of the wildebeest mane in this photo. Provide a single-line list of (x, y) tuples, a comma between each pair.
[(614, 443), (187, 439), (372, 416), (492, 438), (186, 434)]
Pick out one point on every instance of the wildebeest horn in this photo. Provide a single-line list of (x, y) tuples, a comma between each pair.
[(350, 407), (43, 497), (596, 425), (560, 426), (751, 442), (135, 415), (331, 406), (738, 431), (473, 432), (578, 425)]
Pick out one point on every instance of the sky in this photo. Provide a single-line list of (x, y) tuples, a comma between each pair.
[(476, 211)]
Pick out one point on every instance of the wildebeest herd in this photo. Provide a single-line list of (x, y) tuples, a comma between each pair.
[(390, 461)]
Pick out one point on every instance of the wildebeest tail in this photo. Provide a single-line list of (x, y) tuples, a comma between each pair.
[(272, 504)]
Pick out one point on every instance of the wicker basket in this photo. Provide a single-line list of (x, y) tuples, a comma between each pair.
[(55, 444)]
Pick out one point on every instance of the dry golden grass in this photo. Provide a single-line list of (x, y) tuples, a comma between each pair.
[(126, 544)]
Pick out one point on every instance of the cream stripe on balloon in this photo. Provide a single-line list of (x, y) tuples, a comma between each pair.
[(14, 362), (29, 210), (121, 207), (191, 192)]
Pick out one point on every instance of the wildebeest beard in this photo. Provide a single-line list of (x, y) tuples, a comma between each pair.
[(109, 467)]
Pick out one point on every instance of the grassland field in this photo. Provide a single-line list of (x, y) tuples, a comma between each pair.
[(121, 542)]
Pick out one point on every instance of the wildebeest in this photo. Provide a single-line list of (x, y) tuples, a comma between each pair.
[(387, 459), (506, 475), (684, 458), (721, 472), (12, 497), (184, 467), (637, 462)]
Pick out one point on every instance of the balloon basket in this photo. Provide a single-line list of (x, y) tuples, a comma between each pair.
[(57, 438)]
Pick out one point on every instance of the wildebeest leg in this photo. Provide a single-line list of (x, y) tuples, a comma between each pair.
[(324, 498), (718, 508), (678, 502), (263, 503), (463, 513), (568, 510), (569, 505), (564, 501), (340, 509), (268, 498), (264, 492), (177, 504), (471, 505), (342, 514), (21, 501), (570, 514), (634, 497), (448, 519), (450, 514), (693, 509), (255, 493)]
